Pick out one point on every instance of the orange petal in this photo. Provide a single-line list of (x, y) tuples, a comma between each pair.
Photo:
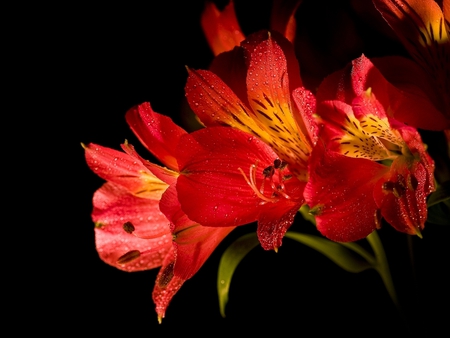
[(283, 17), (221, 28)]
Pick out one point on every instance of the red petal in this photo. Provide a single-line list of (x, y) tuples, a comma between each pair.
[(406, 103), (274, 221), (221, 28), (408, 212), (231, 68), (211, 189), (402, 193), (282, 17), (125, 170), (414, 93), (156, 132), (193, 243), (422, 28), (340, 194), (164, 174), (216, 104), (114, 206), (269, 96), (446, 11), (276, 55), (306, 105), (166, 286)]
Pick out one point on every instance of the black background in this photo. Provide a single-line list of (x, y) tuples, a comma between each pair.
[(113, 57)]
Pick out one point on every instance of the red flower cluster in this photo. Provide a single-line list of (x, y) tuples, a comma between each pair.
[(350, 151)]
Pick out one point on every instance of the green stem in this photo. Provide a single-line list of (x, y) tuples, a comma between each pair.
[(382, 265), (360, 251)]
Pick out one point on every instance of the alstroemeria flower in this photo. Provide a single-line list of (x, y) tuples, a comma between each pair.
[(366, 166), (139, 222), (423, 28), (222, 30), (257, 169), (407, 103)]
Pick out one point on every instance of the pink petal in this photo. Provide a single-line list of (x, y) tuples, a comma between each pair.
[(113, 207), (120, 168)]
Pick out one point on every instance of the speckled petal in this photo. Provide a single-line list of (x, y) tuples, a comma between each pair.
[(113, 207)]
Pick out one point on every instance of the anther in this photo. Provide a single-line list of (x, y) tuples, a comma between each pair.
[(166, 275), (278, 188), (377, 218), (277, 163), (413, 183), (128, 227), (269, 171), (397, 188), (128, 257)]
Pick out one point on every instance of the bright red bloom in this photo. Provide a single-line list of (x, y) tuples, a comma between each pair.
[(408, 103), (366, 165), (423, 28), (139, 222), (223, 32), (257, 169)]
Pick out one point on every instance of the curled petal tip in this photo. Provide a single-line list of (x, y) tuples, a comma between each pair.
[(418, 233)]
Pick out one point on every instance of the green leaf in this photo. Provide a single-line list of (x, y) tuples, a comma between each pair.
[(439, 205), (351, 256), (382, 266), (439, 214), (344, 255), (228, 264)]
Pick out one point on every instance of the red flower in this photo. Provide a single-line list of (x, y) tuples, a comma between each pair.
[(257, 169), (139, 222), (223, 32), (366, 164), (423, 28)]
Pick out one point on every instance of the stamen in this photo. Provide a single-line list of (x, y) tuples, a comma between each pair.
[(398, 188), (166, 275), (269, 171), (278, 189), (277, 163), (252, 185), (132, 255), (128, 257), (377, 218), (129, 228)]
